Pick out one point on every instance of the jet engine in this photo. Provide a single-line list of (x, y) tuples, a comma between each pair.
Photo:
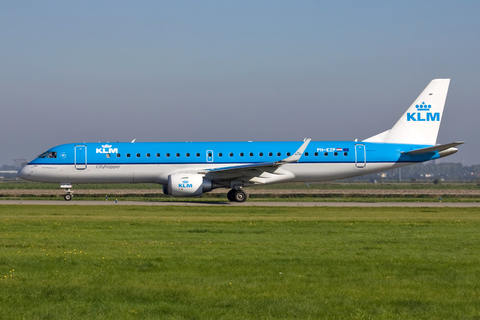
[(187, 185)]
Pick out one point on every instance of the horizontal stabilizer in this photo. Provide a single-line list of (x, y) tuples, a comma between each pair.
[(434, 148)]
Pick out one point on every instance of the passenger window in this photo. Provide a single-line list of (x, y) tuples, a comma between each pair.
[(241, 154), (261, 154), (198, 154), (187, 155), (118, 155), (306, 154), (158, 155), (231, 154), (278, 154), (138, 155), (270, 154), (251, 154), (220, 154), (325, 154), (345, 154), (316, 154), (128, 155), (148, 155), (168, 155), (177, 155), (209, 154), (288, 154), (108, 155), (335, 154)]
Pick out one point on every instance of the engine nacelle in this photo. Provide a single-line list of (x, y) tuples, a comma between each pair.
[(187, 185)]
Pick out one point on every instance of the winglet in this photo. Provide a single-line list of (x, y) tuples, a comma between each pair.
[(296, 156)]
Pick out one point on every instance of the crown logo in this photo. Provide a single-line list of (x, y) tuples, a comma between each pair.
[(423, 107), (185, 181), (106, 146)]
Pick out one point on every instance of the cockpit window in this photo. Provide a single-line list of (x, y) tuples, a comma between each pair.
[(48, 154), (43, 155)]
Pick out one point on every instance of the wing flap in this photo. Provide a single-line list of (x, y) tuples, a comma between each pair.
[(246, 166)]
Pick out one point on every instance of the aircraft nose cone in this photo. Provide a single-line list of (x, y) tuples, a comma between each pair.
[(24, 172)]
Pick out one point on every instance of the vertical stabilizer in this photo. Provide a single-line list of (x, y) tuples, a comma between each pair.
[(421, 122)]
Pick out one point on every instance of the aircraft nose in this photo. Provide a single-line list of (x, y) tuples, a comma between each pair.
[(25, 172)]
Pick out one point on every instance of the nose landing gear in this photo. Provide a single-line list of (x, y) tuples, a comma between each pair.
[(69, 195)]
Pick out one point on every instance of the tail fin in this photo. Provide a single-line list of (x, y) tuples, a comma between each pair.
[(421, 122)]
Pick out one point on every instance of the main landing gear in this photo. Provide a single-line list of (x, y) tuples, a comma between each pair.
[(237, 195)]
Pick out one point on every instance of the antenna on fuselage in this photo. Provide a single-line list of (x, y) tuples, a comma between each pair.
[(133, 140)]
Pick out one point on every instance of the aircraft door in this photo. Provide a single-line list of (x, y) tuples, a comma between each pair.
[(81, 157), (209, 156), (360, 156)]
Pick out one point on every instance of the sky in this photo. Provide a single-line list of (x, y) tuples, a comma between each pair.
[(89, 71)]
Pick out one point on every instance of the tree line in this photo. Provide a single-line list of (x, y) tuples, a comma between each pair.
[(426, 172)]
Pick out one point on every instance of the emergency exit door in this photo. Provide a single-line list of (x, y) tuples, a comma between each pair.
[(81, 157), (209, 156), (360, 156)]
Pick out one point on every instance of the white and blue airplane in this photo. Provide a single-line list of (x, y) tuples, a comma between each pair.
[(193, 168)]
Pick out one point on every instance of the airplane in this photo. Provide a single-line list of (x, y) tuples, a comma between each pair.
[(189, 169)]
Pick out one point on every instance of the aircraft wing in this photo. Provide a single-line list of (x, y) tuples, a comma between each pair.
[(434, 148), (294, 158), (259, 172), (252, 166)]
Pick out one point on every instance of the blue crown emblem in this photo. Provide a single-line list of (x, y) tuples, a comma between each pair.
[(423, 107), (184, 181)]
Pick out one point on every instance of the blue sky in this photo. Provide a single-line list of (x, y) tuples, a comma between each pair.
[(231, 70)]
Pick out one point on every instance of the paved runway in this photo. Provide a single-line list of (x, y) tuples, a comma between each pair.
[(244, 204)]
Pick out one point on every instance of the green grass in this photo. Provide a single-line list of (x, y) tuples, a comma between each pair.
[(221, 262)]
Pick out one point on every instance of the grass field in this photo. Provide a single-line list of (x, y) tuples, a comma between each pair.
[(239, 262)]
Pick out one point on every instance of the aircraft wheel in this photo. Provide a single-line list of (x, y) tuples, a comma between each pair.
[(239, 196), (230, 195), (67, 197)]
